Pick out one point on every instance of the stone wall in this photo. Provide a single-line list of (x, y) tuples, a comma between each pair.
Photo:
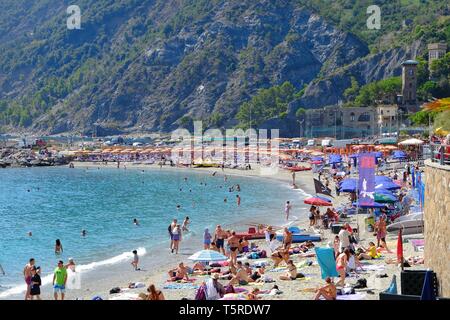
[(437, 223)]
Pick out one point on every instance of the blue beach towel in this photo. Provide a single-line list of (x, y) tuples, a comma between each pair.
[(325, 258), (180, 286)]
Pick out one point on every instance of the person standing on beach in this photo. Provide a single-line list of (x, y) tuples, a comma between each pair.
[(59, 280), (380, 227), (287, 239), (233, 243), (219, 239), (238, 199), (27, 276), (35, 286), (58, 247), (312, 216), (176, 238), (341, 266), (170, 229), (135, 261), (344, 239), (287, 209), (206, 239), (293, 179)]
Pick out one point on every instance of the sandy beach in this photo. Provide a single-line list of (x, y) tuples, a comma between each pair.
[(120, 276)]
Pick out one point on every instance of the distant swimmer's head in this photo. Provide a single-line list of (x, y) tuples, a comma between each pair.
[(58, 242), (187, 218), (30, 233), (31, 261)]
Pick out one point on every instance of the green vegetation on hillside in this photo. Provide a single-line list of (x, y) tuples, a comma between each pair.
[(266, 104), (402, 21)]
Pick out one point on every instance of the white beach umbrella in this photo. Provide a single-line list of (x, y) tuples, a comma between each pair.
[(411, 142), (207, 256)]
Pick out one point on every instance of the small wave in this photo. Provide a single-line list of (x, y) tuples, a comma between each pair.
[(19, 289)]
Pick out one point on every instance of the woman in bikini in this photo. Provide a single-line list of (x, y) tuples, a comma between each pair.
[(287, 239), (292, 271), (341, 265), (233, 243), (280, 255)]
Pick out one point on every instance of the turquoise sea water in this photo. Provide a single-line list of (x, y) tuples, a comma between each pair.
[(57, 203)]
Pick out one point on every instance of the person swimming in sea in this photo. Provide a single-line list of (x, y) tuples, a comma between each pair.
[(83, 233), (225, 200), (30, 233), (58, 247), (178, 207), (238, 200), (135, 222)]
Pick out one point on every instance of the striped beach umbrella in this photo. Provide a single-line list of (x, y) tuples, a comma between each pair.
[(208, 256)]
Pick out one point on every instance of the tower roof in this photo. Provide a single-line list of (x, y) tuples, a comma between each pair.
[(410, 63)]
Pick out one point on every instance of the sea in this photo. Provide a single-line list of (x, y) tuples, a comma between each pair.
[(59, 202)]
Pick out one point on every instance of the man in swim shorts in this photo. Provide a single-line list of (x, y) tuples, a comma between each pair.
[(27, 276), (59, 280), (219, 238)]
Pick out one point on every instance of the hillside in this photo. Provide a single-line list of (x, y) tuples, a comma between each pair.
[(153, 65)]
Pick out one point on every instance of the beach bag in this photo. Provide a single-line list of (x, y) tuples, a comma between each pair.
[(263, 254), (201, 293), (361, 283), (114, 290)]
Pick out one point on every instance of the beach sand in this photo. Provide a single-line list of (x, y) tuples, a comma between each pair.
[(155, 269)]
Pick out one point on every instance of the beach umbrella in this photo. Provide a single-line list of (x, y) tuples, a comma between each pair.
[(316, 201), (385, 198), (317, 158), (428, 288), (399, 154), (335, 158), (411, 142), (354, 155), (387, 185), (207, 256), (323, 198)]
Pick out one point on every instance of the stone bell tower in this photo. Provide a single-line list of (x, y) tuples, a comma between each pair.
[(409, 82)]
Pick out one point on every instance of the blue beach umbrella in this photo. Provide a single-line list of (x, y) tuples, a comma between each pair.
[(317, 159), (207, 256), (334, 158), (399, 154)]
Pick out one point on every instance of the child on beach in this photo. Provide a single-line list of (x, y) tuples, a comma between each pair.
[(135, 261)]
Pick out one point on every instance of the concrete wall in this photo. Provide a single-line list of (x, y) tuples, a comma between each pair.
[(437, 223)]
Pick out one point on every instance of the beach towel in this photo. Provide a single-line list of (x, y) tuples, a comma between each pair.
[(325, 258), (183, 281), (234, 296), (180, 286), (126, 296), (373, 267), (356, 296)]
